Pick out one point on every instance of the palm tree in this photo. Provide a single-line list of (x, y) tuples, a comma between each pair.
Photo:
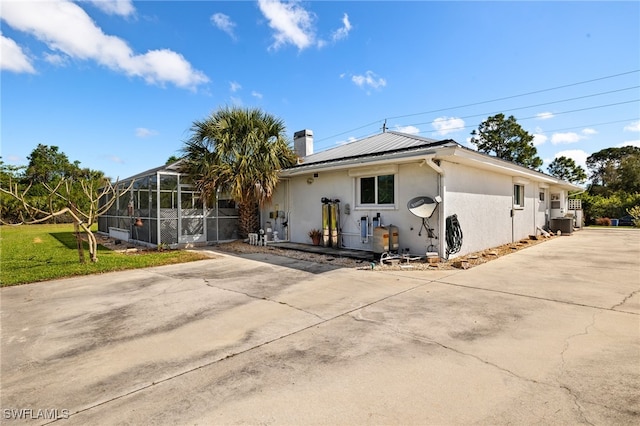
[(239, 150)]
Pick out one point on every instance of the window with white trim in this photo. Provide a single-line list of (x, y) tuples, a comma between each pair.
[(376, 190), (518, 196)]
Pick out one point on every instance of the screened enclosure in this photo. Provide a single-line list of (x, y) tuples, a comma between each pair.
[(162, 208)]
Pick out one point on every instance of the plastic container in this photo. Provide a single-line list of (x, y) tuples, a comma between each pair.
[(380, 240)]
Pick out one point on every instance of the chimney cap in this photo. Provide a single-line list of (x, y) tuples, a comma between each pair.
[(302, 133)]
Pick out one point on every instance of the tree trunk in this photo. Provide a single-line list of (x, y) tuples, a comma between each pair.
[(249, 220), (76, 229)]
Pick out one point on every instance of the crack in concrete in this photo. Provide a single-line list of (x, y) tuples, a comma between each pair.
[(537, 297), (450, 348), (231, 355), (489, 363), (262, 298), (576, 402), (633, 293), (567, 344)]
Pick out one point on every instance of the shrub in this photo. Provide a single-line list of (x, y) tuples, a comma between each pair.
[(635, 214)]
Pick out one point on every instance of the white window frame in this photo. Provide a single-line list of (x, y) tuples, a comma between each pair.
[(376, 205), (518, 200)]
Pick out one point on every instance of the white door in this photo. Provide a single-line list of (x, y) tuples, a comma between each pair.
[(191, 218), (556, 205)]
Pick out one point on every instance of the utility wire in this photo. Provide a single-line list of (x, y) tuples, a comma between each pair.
[(533, 116), (529, 118), (484, 102), (548, 131), (537, 105), (516, 96)]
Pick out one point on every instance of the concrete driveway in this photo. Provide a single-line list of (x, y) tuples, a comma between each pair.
[(546, 335)]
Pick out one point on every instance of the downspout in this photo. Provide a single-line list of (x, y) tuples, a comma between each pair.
[(287, 206), (428, 160)]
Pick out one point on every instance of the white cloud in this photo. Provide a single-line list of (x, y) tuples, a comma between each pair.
[(544, 115), (412, 130), (342, 32), (234, 86), (539, 139), (66, 28), (256, 94), (369, 79), (142, 132), (630, 143), (115, 159), (565, 138), (115, 7), (589, 131), (13, 58), (224, 23), (633, 126), (578, 155), (236, 101), (292, 24), (55, 59), (445, 125)]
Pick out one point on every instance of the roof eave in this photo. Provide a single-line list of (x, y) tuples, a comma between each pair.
[(484, 161)]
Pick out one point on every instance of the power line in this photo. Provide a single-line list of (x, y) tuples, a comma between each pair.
[(553, 130), (537, 105), (517, 96), (535, 116), (484, 102)]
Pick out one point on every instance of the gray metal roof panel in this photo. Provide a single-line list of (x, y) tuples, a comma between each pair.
[(382, 142), (373, 144)]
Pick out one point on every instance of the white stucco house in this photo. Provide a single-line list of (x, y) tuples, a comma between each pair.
[(371, 181)]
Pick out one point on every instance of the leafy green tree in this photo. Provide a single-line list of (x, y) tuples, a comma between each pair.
[(10, 207), (506, 139), (629, 173), (240, 151), (614, 169), (46, 163), (565, 168), (172, 159), (51, 188)]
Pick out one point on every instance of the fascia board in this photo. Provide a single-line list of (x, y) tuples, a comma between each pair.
[(497, 165), (398, 158)]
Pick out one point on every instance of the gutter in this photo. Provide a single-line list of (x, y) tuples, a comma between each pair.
[(428, 160)]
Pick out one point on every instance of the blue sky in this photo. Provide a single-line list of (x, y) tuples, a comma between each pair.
[(117, 84)]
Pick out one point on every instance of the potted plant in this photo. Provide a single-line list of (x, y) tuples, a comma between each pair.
[(315, 236)]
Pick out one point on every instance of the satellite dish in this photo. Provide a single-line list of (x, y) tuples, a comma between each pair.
[(422, 206)]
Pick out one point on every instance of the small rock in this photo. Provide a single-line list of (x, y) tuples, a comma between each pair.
[(461, 264)]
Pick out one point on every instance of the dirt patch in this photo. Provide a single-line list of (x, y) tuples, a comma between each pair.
[(467, 261)]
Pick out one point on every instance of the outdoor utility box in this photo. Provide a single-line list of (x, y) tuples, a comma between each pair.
[(380, 240), (562, 224), (394, 241)]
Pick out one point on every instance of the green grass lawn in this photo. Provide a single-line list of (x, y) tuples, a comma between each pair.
[(31, 253)]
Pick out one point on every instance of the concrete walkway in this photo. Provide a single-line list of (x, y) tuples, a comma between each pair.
[(547, 335)]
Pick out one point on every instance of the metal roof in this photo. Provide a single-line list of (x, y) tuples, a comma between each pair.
[(376, 144), (169, 168)]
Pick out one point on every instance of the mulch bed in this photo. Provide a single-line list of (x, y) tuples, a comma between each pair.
[(463, 262)]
